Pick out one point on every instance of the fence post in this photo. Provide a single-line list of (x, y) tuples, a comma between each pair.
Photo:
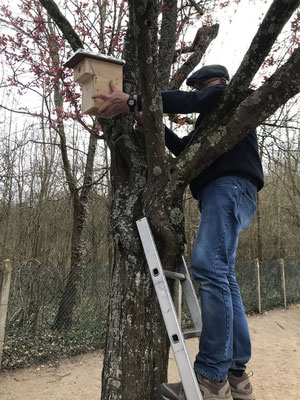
[(4, 294), (257, 269), (282, 274)]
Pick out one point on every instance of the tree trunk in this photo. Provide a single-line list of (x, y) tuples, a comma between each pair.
[(79, 196), (136, 351), (137, 347), (63, 318)]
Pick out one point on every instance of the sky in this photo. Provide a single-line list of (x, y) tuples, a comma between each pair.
[(236, 32)]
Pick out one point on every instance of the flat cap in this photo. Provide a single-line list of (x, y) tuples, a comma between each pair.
[(207, 72)]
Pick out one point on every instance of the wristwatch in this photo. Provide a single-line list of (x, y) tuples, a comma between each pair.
[(131, 102)]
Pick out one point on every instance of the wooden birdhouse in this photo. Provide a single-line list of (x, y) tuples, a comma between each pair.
[(93, 72)]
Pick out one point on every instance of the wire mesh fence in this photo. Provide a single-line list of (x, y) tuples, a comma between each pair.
[(292, 280), (271, 283), (37, 292), (35, 296), (247, 278)]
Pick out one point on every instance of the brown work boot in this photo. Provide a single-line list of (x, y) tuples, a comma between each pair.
[(241, 388), (210, 390), (171, 391)]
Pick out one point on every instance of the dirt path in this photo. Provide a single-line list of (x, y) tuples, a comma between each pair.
[(275, 365)]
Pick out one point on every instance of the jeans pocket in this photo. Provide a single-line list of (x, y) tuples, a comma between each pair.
[(247, 207), (251, 195), (230, 182)]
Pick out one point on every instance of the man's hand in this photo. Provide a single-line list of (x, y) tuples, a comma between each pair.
[(113, 103)]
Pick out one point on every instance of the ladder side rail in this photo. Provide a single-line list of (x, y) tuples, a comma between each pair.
[(181, 355)]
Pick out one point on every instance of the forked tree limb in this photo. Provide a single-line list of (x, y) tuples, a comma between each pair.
[(211, 140), (206, 35), (277, 16)]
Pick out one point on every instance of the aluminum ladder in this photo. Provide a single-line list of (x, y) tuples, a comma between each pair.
[(177, 337)]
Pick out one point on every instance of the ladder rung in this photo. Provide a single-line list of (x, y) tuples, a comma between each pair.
[(174, 275), (190, 335)]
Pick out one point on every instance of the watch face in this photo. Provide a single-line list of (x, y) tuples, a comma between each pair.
[(131, 102)]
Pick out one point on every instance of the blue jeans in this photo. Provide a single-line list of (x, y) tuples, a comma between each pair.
[(227, 206)]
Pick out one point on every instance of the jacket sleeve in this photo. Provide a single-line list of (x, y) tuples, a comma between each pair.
[(174, 143), (180, 102)]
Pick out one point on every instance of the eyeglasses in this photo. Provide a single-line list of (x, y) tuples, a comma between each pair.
[(203, 84)]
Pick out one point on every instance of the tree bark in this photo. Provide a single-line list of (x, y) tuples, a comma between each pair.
[(136, 353), (167, 42), (137, 348)]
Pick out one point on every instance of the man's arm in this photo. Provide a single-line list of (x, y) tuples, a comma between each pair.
[(174, 143), (174, 101), (196, 101)]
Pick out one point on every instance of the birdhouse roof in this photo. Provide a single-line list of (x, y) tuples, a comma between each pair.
[(80, 54)]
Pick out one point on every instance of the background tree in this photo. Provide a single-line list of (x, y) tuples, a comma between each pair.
[(39, 45)]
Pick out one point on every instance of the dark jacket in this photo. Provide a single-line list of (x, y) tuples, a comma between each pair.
[(242, 160)]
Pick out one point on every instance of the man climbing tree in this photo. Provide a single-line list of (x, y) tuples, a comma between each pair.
[(226, 192)]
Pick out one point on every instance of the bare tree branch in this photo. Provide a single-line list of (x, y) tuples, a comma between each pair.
[(167, 41), (277, 16), (94, 182), (17, 112), (205, 36), (279, 126), (63, 24), (197, 7)]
